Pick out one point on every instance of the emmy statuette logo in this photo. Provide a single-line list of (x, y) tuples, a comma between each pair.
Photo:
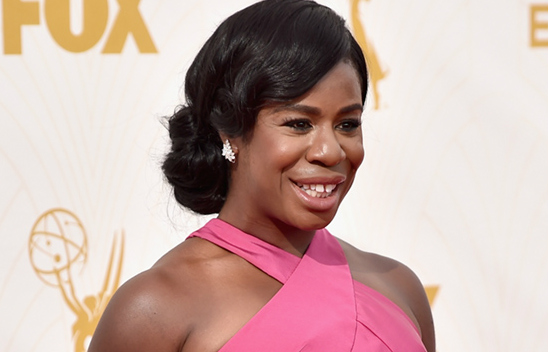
[(58, 250), (374, 65), (431, 293), (377, 74)]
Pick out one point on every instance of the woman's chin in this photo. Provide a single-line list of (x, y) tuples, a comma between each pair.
[(313, 221)]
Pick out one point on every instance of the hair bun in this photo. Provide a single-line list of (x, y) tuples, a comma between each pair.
[(194, 163)]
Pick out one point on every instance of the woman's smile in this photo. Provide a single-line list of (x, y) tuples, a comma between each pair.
[(318, 190), (316, 197)]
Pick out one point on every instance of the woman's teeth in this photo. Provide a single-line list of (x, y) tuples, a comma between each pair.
[(317, 190)]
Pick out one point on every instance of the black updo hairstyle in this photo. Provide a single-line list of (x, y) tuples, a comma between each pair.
[(272, 51)]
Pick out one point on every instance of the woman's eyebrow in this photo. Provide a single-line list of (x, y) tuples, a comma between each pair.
[(351, 108), (310, 110), (306, 109)]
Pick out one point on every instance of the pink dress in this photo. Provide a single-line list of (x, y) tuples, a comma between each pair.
[(329, 310)]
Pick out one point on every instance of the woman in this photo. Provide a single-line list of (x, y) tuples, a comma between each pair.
[(270, 139)]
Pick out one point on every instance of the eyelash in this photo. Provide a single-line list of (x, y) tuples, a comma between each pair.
[(302, 125), (294, 124), (351, 125)]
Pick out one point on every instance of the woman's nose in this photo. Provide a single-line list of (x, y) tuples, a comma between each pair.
[(325, 148)]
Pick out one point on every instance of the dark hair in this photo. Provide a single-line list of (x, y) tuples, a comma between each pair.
[(272, 51)]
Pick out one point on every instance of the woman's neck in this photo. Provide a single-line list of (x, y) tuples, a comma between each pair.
[(275, 232)]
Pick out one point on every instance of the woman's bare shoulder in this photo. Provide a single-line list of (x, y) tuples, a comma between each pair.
[(397, 282), (377, 269), (156, 309)]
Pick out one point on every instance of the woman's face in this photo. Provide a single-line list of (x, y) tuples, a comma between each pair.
[(302, 156)]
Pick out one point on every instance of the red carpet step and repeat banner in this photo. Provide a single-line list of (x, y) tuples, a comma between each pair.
[(454, 184)]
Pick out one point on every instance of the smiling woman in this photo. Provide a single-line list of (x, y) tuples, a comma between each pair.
[(278, 90)]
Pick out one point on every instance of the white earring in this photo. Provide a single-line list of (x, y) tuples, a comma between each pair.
[(228, 153)]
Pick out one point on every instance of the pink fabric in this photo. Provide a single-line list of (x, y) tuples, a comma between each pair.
[(319, 307)]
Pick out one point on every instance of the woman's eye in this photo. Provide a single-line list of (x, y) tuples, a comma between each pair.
[(300, 125), (349, 125)]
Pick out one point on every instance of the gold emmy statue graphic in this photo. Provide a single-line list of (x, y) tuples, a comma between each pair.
[(57, 249), (374, 65), (431, 293), (377, 74)]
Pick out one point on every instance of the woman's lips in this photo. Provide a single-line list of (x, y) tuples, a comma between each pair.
[(319, 194), (317, 190)]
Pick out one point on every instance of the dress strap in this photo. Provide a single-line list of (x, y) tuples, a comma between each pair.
[(272, 260)]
